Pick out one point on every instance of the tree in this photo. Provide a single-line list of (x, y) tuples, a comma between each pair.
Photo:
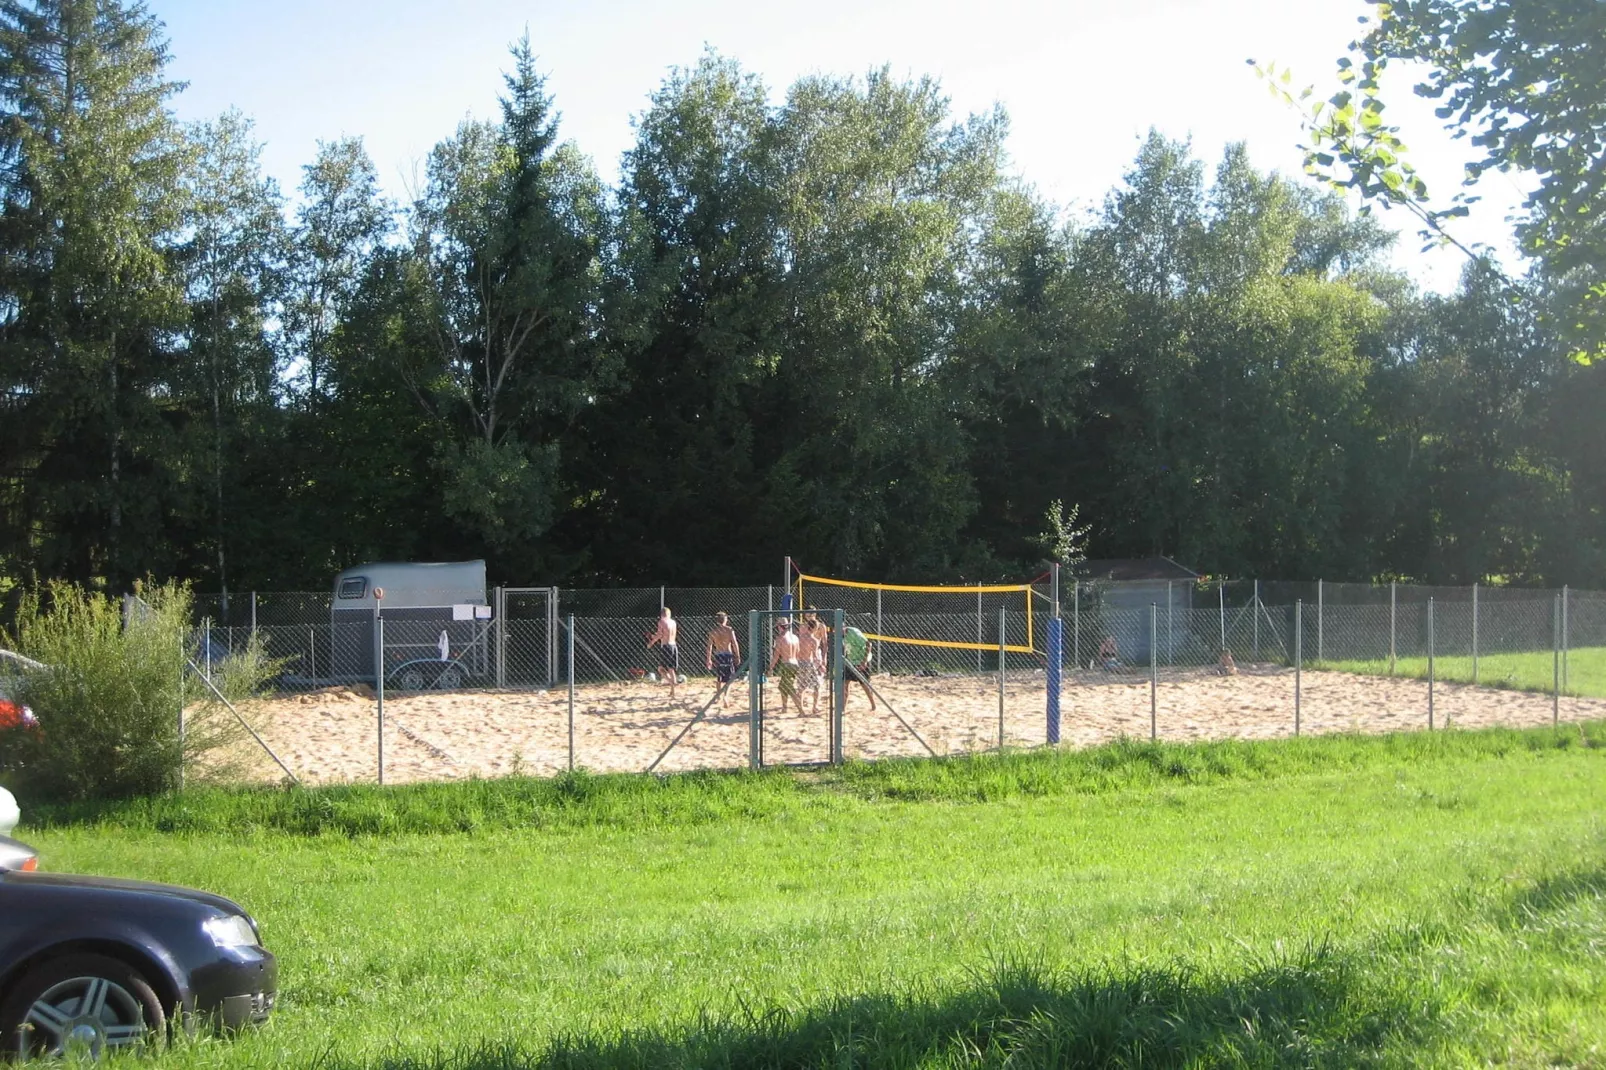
[(672, 477), (342, 220), (89, 166), (506, 239), (884, 197), (1526, 79), (232, 259)]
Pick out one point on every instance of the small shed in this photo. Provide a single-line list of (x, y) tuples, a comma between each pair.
[(423, 601), (1123, 589)]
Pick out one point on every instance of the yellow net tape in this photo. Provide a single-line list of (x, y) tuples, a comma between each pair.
[(954, 645), (996, 588), (950, 589)]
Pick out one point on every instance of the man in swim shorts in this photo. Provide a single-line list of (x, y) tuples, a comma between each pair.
[(783, 664), (721, 655), (668, 654), (810, 658)]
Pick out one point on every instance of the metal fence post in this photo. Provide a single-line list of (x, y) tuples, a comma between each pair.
[(1256, 615), (312, 650), (500, 625), (1154, 673), (875, 651), (1474, 635), (1001, 656), (1170, 624), (755, 684), (1566, 638), (1321, 621), (1221, 599), (1432, 668), (552, 608), (979, 639), (1299, 657), (1076, 623), (839, 683), (1555, 660), (206, 646), (570, 654), (253, 616), (379, 688), (1393, 621)]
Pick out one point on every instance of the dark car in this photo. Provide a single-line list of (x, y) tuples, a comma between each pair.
[(92, 963)]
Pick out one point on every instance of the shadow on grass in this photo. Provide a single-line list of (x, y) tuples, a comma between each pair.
[(1316, 1009), (1557, 892)]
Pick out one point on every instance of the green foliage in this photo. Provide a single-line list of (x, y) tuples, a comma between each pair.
[(109, 694), (1527, 81), (825, 322)]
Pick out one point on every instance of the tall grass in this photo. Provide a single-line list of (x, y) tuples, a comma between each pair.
[(628, 800)]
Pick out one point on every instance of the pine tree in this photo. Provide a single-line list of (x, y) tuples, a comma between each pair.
[(89, 206)]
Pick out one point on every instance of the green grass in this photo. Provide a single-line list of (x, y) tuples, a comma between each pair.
[(1535, 671), (1412, 900)]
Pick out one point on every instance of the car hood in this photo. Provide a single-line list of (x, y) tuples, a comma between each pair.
[(116, 885)]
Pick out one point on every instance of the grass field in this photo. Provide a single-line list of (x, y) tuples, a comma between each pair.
[(1422, 899), (1585, 670)]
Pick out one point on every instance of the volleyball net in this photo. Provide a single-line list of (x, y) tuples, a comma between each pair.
[(923, 626)]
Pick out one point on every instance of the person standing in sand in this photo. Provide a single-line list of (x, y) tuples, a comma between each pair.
[(810, 658), (668, 653), (722, 653), (856, 653), (783, 664)]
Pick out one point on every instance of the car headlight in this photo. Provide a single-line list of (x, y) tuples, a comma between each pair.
[(232, 931)]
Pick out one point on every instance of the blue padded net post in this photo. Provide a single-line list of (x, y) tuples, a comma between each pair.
[(1056, 642)]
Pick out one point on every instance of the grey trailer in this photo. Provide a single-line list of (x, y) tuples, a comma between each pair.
[(426, 606)]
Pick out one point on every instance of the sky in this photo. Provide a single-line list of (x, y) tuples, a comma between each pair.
[(1081, 81)]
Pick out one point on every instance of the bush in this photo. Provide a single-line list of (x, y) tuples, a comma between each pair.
[(109, 693)]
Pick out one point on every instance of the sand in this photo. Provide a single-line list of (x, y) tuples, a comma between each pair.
[(331, 735)]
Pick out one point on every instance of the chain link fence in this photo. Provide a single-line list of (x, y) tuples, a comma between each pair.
[(539, 680)]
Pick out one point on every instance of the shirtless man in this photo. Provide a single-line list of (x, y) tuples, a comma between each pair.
[(810, 658), (783, 664), (721, 655), (668, 654)]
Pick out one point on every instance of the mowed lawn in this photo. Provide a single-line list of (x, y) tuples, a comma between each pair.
[(1405, 901), (1584, 670)]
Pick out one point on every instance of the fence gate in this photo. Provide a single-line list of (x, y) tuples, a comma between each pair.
[(527, 644)]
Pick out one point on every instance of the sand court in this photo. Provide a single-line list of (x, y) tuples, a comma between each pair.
[(331, 735)]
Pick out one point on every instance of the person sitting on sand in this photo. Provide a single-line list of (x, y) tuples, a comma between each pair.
[(1225, 666), (783, 664), (723, 652), (1109, 657)]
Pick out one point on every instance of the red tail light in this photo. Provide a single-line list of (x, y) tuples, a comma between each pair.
[(30, 865)]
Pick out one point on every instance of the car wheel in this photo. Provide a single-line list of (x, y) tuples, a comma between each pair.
[(81, 1005), (449, 679), (411, 680)]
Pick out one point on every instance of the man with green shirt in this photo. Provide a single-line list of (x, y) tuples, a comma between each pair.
[(856, 652)]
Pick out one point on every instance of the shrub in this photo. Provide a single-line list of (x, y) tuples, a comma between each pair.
[(109, 693)]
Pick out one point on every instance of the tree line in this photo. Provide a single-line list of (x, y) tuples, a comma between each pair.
[(828, 323)]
